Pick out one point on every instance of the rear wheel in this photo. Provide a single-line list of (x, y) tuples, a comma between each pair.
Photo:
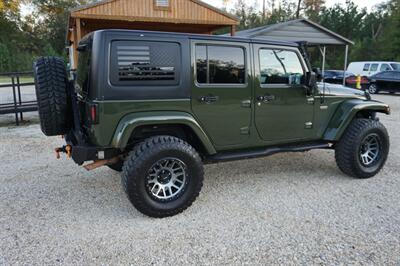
[(51, 84), (363, 149), (162, 176), (373, 89)]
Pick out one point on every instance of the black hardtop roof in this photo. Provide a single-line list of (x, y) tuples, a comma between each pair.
[(170, 35)]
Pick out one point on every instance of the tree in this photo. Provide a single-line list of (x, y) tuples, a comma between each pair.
[(312, 8), (298, 9)]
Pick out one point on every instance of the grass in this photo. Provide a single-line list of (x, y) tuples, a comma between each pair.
[(22, 79)]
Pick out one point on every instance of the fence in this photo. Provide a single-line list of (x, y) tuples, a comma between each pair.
[(17, 105)]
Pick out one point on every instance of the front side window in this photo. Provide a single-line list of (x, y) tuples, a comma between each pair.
[(374, 67), (280, 67), (220, 65)]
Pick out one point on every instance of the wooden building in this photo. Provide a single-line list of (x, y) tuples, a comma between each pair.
[(191, 16)]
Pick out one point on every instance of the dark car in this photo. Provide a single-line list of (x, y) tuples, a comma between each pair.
[(335, 76), (385, 81)]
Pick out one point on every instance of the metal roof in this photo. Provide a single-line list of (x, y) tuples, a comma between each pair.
[(295, 31)]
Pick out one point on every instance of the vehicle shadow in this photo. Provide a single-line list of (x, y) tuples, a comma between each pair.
[(102, 189)]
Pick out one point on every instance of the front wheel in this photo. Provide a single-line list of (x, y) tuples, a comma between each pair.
[(162, 176), (363, 149)]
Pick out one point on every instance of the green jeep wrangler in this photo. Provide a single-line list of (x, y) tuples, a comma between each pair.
[(156, 106)]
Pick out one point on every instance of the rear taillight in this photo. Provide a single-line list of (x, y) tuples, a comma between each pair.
[(93, 113)]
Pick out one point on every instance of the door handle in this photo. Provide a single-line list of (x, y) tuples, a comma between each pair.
[(266, 98), (209, 99)]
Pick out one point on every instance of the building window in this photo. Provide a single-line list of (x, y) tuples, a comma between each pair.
[(162, 4), (220, 65)]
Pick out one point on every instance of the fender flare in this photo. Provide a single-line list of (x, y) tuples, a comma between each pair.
[(130, 122), (346, 113)]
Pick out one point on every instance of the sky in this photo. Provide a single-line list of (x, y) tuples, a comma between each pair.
[(361, 3)]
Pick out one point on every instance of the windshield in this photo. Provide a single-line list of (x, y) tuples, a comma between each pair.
[(395, 67)]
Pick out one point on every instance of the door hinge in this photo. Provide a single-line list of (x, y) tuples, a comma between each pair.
[(245, 131), (246, 104), (308, 125)]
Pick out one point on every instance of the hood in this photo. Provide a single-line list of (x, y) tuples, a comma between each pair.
[(340, 90)]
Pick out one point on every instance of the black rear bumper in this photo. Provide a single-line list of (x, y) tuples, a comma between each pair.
[(82, 151), (81, 154)]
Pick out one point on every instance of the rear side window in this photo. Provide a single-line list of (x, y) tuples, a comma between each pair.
[(280, 67), (145, 63), (366, 67), (220, 64), (83, 71), (374, 67)]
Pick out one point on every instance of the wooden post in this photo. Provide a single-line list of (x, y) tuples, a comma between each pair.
[(78, 30), (76, 36), (233, 30), (75, 47)]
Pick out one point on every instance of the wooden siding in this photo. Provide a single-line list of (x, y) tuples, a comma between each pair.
[(181, 11)]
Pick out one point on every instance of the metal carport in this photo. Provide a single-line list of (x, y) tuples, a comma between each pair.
[(301, 30)]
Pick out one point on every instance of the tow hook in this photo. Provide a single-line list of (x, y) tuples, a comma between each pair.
[(64, 149)]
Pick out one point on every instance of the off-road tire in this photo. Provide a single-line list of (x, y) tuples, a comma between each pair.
[(347, 150), (51, 84), (116, 166), (142, 158)]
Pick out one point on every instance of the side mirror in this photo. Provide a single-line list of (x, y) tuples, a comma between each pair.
[(310, 82), (311, 79)]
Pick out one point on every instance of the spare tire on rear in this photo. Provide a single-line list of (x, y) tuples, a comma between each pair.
[(51, 84)]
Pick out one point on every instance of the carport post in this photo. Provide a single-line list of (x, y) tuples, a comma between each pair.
[(323, 62), (345, 64)]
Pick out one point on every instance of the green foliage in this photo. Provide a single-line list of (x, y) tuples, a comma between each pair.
[(41, 33)]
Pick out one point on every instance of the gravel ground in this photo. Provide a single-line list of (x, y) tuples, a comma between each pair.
[(295, 208)]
